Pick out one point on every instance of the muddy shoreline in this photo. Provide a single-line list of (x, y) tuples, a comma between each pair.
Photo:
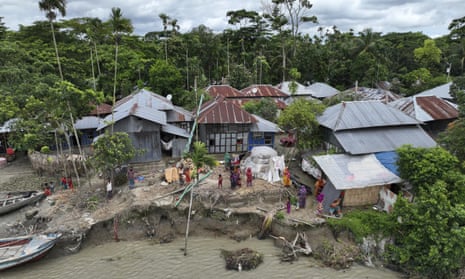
[(86, 219)]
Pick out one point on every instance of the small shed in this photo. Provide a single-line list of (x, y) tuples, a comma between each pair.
[(262, 133), (360, 177)]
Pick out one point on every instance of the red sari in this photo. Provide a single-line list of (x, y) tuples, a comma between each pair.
[(249, 176)]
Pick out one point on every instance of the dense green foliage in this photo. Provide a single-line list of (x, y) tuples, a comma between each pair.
[(362, 223), (199, 156), (454, 137), (252, 53), (301, 118), (107, 57), (112, 150), (429, 233), (265, 108), (423, 166)]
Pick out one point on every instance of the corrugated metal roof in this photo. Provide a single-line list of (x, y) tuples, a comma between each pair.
[(261, 90), (426, 108), (301, 90), (6, 127), (146, 113), (437, 107), (222, 111), (226, 91), (441, 91), (372, 94), (363, 114), (322, 90), (354, 172), (88, 122), (144, 98), (102, 109), (171, 129), (149, 106), (263, 125), (364, 141), (179, 114), (292, 99)]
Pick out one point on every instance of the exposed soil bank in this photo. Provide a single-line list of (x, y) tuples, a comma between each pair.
[(85, 218)]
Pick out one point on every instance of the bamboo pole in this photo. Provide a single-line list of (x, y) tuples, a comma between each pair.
[(189, 218)]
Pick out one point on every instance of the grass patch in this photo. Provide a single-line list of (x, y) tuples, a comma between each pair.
[(362, 223)]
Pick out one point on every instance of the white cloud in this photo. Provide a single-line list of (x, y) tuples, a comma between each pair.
[(431, 17)]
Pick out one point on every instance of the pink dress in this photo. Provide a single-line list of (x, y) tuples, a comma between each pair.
[(249, 177)]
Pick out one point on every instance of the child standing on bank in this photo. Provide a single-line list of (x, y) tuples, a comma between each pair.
[(220, 181)]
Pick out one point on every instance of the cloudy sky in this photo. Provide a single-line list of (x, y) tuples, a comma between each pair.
[(431, 17)]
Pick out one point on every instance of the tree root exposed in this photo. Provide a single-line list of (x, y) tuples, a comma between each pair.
[(291, 250)]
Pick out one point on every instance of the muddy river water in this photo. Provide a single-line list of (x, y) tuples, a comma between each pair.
[(143, 259)]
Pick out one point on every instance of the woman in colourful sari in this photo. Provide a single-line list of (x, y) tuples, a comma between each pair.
[(286, 177)]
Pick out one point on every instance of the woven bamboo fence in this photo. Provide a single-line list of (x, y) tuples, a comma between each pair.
[(362, 196), (52, 165)]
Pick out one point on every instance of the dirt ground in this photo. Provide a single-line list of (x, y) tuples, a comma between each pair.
[(76, 210), (86, 217)]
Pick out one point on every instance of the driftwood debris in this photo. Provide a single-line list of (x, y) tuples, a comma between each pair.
[(289, 218), (291, 250), (242, 259), (301, 221)]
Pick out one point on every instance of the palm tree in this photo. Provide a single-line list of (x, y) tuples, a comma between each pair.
[(119, 25), (174, 26), (51, 7), (200, 158), (165, 21), (367, 42), (93, 29)]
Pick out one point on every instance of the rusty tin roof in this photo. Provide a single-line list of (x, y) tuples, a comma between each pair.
[(223, 111)]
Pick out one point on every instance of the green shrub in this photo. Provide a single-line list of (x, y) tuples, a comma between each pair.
[(293, 200), (362, 223), (279, 215), (45, 149), (92, 203)]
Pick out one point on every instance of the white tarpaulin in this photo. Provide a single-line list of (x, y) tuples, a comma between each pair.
[(351, 172), (310, 169), (265, 163)]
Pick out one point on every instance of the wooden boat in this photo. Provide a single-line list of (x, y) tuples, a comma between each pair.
[(14, 200), (19, 250)]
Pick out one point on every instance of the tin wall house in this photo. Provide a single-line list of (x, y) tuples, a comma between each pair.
[(360, 177), (365, 127), (224, 126), (147, 118)]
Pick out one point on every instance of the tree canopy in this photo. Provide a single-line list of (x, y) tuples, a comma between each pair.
[(301, 117), (429, 232)]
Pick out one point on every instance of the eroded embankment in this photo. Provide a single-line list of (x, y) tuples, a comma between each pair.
[(163, 224)]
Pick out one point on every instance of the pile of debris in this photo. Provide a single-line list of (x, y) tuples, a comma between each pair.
[(242, 259)]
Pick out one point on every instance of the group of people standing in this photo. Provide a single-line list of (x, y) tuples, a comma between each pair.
[(233, 166), (67, 183), (49, 187), (235, 178)]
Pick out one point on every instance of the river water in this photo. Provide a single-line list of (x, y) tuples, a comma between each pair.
[(143, 259)]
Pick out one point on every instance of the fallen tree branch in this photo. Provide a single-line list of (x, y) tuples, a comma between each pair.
[(301, 221), (274, 210), (292, 249)]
